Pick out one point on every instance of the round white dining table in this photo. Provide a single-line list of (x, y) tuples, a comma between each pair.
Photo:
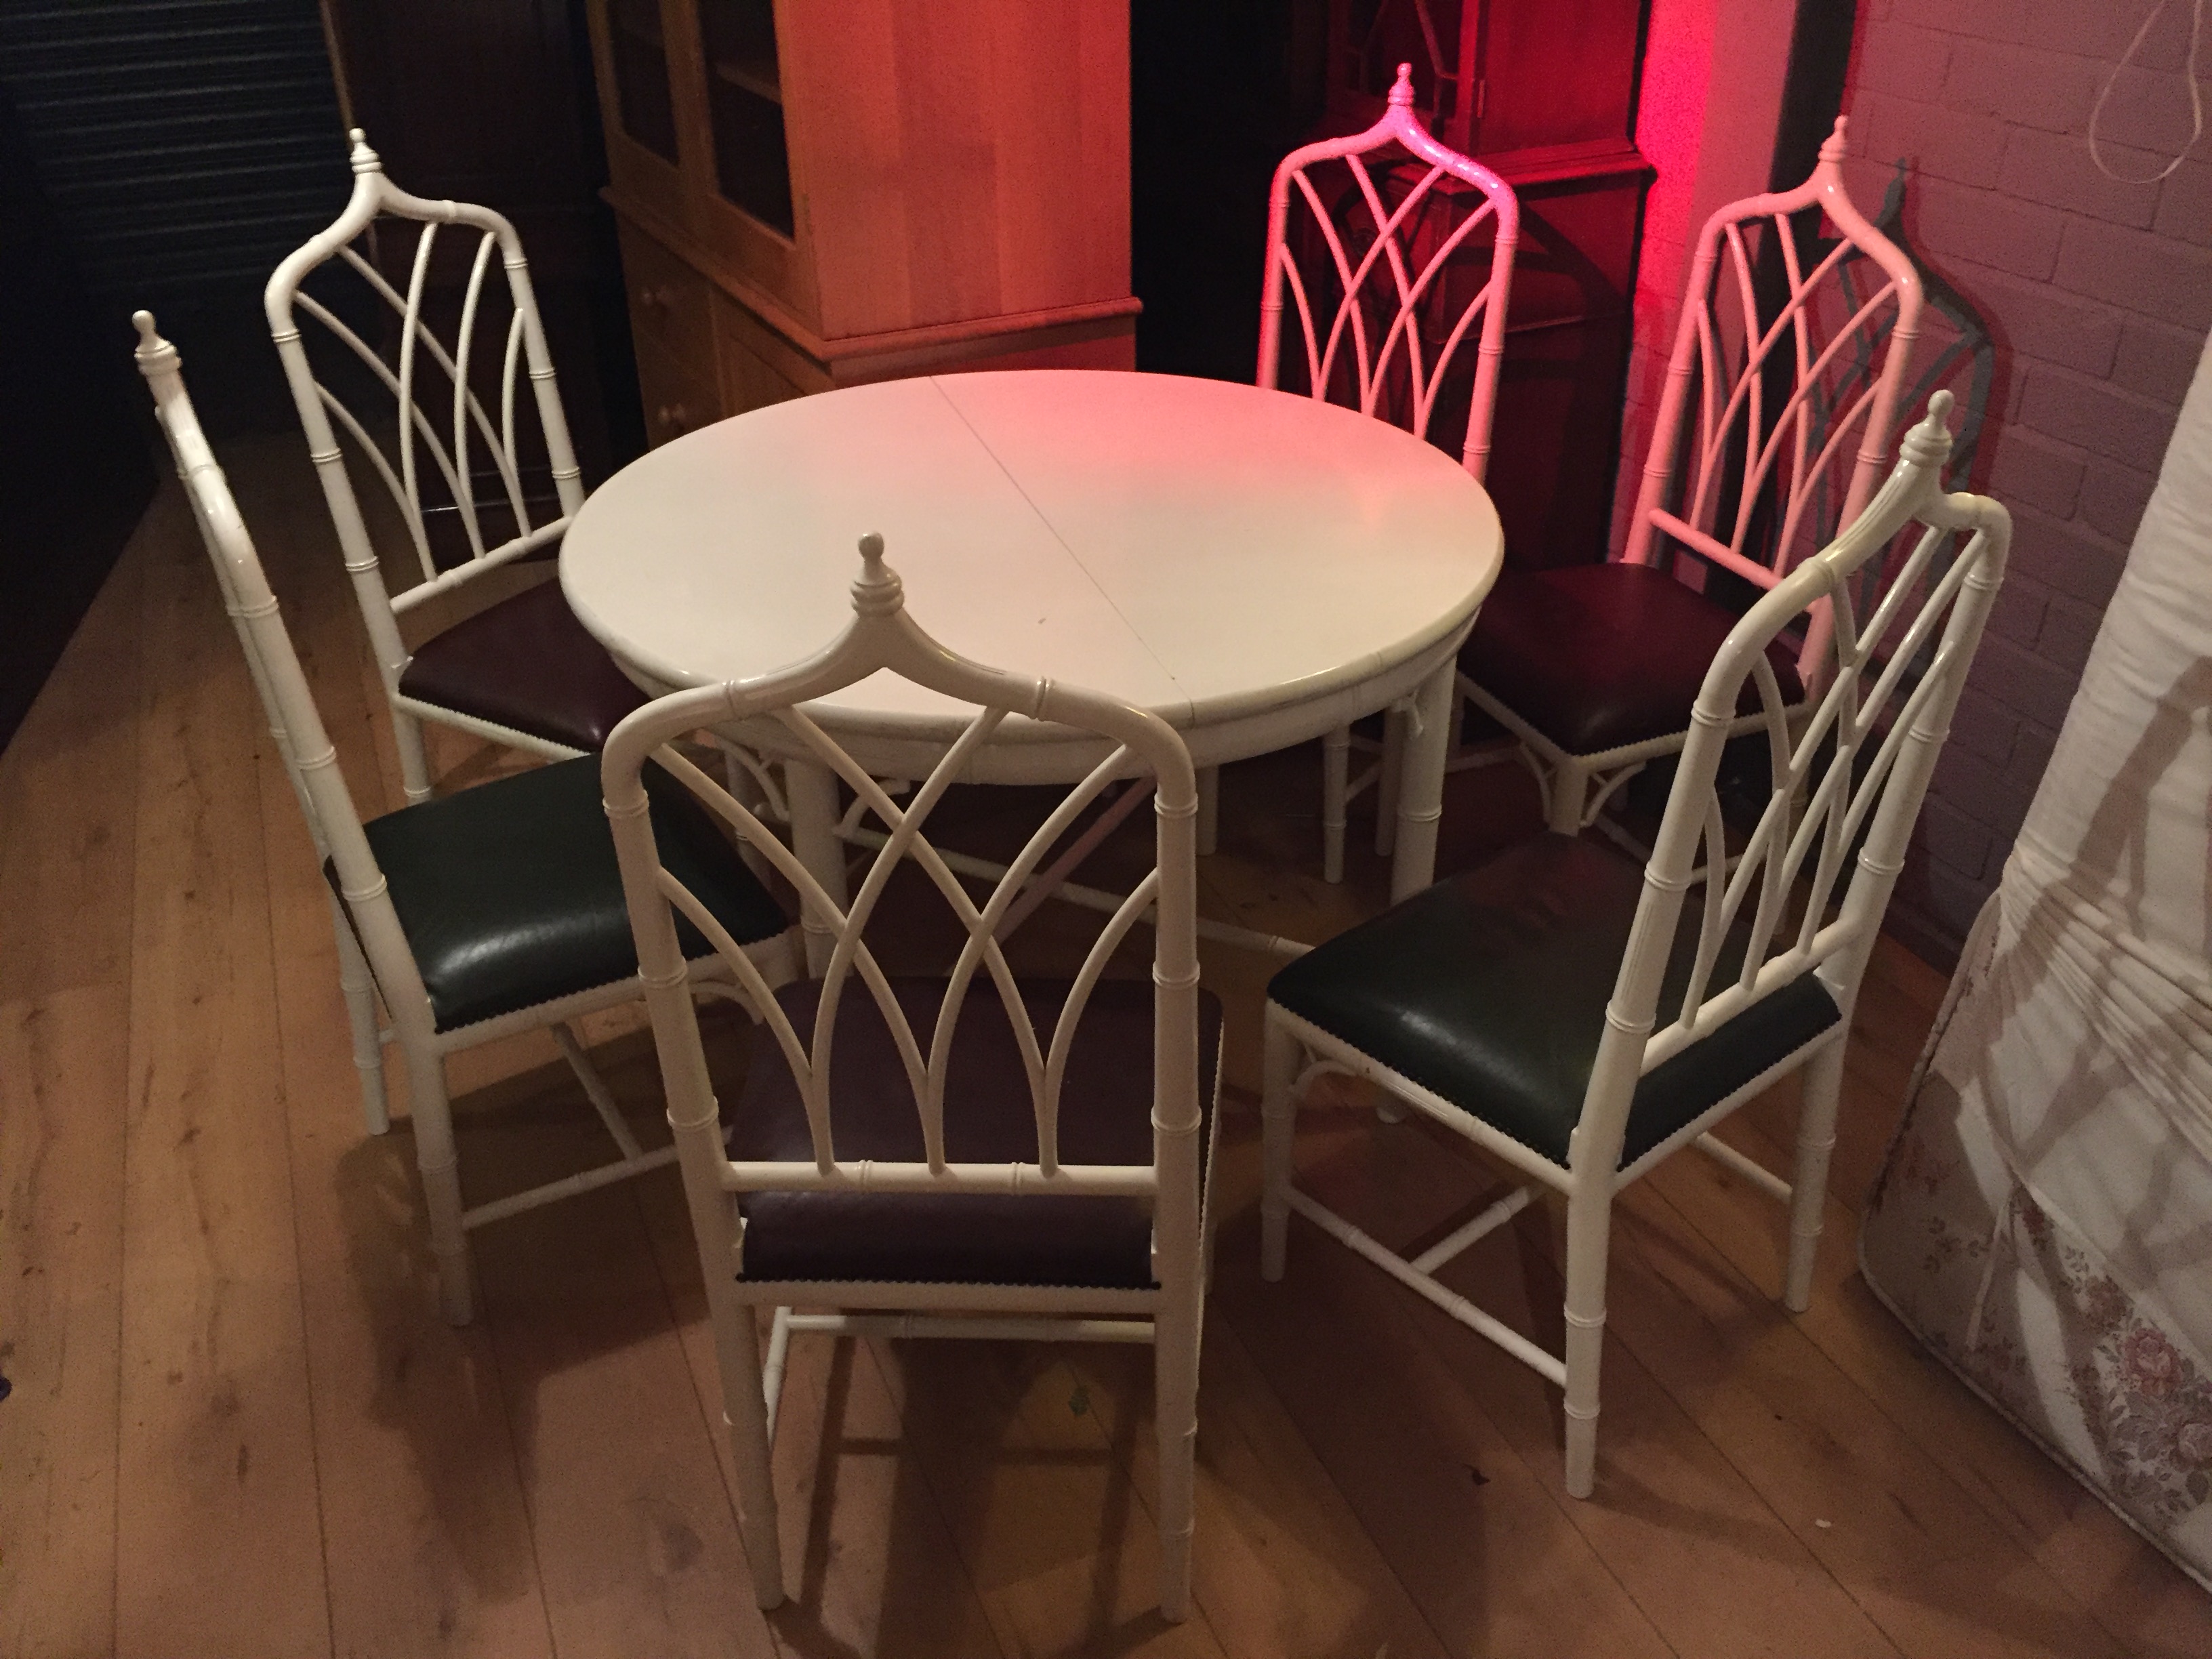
[(1257, 567)]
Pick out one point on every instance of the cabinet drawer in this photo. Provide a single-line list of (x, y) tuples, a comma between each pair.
[(678, 393), (670, 303)]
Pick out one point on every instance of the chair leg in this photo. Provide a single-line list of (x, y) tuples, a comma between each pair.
[(1386, 783), (745, 789), (1589, 1222), (1208, 834), (1279, 1122), (1816, 1139), (360, 989), (744, 1411), (1563, 796), (1175, 1413), (812, 792), (1336, 784), (414, 762), (437, 1164)]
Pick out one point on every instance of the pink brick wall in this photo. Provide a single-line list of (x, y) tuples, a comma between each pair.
[(2098, 295)]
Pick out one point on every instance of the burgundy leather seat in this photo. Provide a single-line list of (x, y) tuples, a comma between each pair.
[(525, 663), (1597, 657), (1105, 1117)]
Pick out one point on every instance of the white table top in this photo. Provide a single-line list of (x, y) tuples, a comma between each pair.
[(1208, 551)]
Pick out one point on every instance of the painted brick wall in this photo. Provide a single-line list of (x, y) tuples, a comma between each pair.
[(2098, 295)]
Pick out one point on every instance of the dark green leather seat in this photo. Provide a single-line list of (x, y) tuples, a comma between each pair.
[(1489, 990), (510, 896)]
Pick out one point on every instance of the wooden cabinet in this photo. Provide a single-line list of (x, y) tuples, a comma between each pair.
[(1544, 92), (819, 192)]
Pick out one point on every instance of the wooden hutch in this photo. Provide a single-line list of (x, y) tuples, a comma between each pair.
[(815, 194)]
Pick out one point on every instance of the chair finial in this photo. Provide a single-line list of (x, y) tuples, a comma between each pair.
[(1401, 90), (878, 592), (364, 159), (1929, 444), (1837, 144), (154, 353)]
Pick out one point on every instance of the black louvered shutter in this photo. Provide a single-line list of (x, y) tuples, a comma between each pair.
[(186, 145)]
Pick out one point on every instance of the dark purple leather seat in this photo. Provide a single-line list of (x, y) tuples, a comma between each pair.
[(528, 664), (1105, 1117), (1597, 657)]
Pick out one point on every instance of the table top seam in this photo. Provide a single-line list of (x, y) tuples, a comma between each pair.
[(937, 383)]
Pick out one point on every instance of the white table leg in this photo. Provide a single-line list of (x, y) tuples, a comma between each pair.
[(1421, 783), (812, 790)]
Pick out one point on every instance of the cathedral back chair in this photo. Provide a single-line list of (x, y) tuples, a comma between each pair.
[(1773, 433), (1404, 316), (1579, 1024), (442, 433), (970, 1153), (486, 913)]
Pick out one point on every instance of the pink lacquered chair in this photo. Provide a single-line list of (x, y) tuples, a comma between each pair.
[(1396, 281), (1779, 405)]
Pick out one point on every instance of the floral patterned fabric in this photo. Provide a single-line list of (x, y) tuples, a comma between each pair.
[(2007, 1296), (2042, 1219), (2025, 1311)]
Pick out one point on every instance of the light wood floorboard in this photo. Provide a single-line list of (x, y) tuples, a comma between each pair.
[(428, 1540), (217, 1476), (239, 1426), (68, 786)]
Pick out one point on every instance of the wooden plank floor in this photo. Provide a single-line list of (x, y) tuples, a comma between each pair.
[(239, 1427)]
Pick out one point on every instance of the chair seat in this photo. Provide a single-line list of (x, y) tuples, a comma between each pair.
[(525, 663), (1489, 990), (509, 894), (1599, 656), (963, 1238)]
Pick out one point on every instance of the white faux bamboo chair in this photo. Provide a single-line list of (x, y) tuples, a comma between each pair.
[(523, 672), (955, 1176), (494, 911), (1484, 1001), (1593, 668), (1405, 274)]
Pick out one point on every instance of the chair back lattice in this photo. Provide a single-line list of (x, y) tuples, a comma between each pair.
[(1404, 282), (1813, 877), (1139, 751), (441, 452), (295, 724), (1774, 425)]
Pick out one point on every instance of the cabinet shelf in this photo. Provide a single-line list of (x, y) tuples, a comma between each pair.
[(640, 29), (757, 76)]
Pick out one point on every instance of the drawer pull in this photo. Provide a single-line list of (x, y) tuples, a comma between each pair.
[(674, 417)]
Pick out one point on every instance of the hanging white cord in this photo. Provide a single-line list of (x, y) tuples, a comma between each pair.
[(2189, 72)]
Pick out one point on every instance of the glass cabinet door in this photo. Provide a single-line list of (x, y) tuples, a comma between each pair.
[(1380, 35), (745, 108), (640, 69)]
